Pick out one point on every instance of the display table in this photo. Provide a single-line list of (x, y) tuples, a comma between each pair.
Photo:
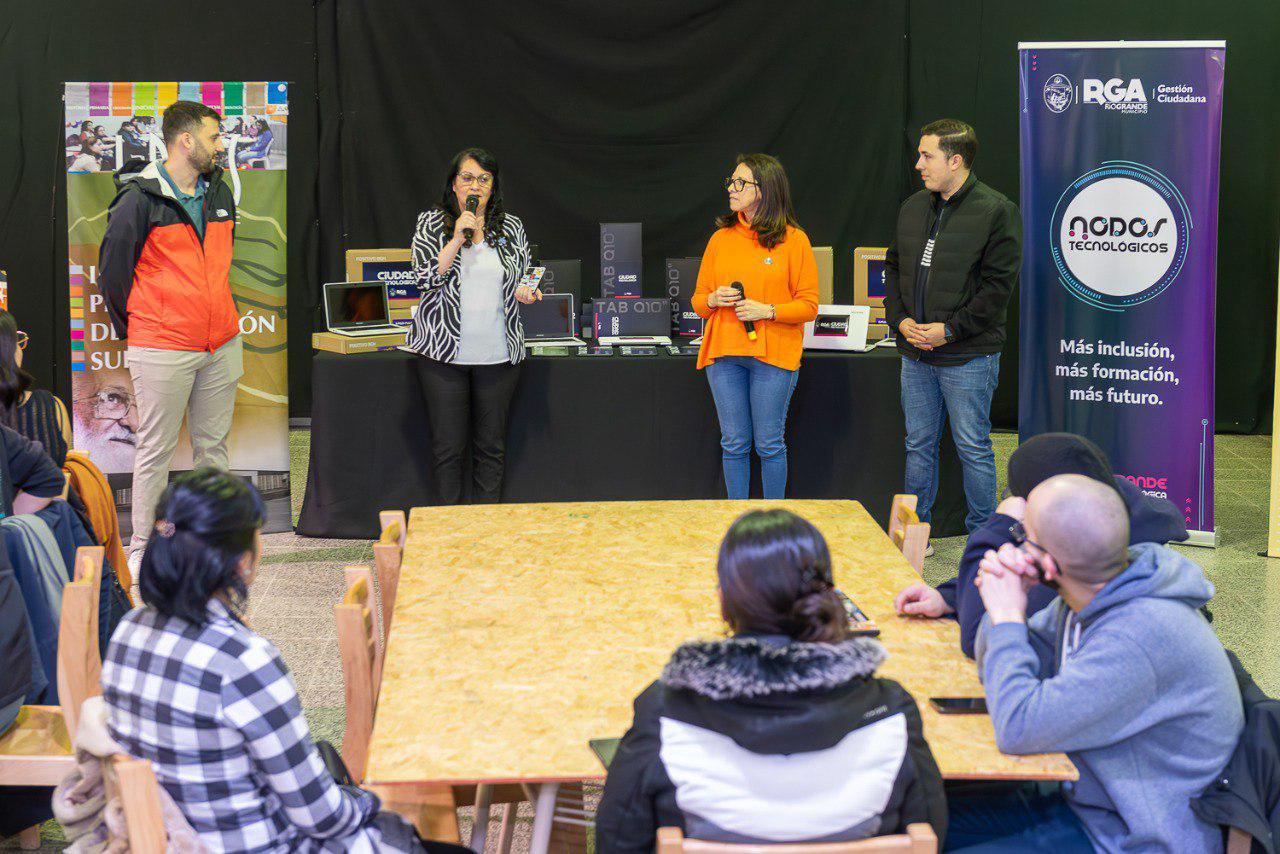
[(521, 632), (613, 428)]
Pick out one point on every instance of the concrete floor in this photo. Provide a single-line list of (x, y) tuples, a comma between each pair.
[(300, 580)]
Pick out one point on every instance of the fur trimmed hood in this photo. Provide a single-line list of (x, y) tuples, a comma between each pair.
[(747, 667)]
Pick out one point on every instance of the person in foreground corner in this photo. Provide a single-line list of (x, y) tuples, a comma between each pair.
[(780, 732), (1122, 673)]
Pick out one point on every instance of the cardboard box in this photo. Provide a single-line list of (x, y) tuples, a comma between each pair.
[(826, 274), (393, 267), (868, 286), (347, 345)]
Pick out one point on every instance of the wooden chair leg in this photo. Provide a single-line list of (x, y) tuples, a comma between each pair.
[(430, 809), (29, 839), (507, 831)]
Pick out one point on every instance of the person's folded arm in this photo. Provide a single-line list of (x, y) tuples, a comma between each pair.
[(997, 274), (31, 470), (803, 283), (259, 701), (1088, 704), (626, 820), (895, 311), (126, 235), (991, 534), (706, 281), (429, 240)]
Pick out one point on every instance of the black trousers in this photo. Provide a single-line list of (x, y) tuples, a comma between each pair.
[(468, 404)]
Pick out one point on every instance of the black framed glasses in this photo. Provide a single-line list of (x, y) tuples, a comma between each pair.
[(22, 339), (737, 185), (1018, 532)]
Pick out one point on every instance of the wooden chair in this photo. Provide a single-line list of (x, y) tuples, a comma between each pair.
[(1238, 842), (361, 667), (133, 781), (919, 839), (388, 554), (36, 750), (908, 533)]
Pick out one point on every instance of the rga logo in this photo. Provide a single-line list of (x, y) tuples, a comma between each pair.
[(1118, 235), (1115, 94), (831, 325), (1058, 93)]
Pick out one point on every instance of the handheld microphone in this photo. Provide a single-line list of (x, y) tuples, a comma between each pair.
[(473, 204), (749, 324)]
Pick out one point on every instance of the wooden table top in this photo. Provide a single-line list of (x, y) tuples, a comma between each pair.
[(521, 631)]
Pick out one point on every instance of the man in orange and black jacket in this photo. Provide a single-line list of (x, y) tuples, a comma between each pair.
[(163, 271)]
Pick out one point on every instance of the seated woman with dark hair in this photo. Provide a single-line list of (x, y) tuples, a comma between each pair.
[(781, 733), (33, 412), (211, 705)]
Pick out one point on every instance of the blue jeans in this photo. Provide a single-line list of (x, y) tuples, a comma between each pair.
[(961, 393), (996, 818), (751, 402)]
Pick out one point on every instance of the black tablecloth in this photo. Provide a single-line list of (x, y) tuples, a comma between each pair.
[(606, 429)]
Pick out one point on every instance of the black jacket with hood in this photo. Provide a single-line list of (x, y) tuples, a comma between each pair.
[(759, 738)]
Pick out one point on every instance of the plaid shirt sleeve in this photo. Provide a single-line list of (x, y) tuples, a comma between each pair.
[(259, 701)]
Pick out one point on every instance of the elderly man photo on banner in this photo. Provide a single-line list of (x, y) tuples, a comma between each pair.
[(949, 271)]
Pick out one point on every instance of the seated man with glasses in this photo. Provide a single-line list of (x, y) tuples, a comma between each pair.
[(1121, 673), (1151, 520)]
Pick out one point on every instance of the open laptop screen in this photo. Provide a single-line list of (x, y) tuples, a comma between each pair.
[(549, 318), (350, 305)]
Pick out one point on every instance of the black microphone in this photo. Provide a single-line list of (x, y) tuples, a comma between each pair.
[(473, 204), (749, 324)]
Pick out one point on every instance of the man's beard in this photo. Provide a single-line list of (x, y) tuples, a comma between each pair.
[(203, 160)]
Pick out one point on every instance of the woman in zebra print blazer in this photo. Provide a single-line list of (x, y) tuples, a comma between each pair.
[(467, 329)]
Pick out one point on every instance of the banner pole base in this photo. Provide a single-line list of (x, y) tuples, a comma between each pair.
[(1204, 539)]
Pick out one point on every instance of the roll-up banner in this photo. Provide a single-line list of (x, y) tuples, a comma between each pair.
[(1120, 145), (107, 126)]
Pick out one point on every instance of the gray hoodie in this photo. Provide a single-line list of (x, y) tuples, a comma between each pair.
[(1136, 689)]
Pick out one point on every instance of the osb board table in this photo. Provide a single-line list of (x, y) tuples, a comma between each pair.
[(522, 631)]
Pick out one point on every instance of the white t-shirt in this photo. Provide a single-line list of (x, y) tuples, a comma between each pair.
[(484, 320)]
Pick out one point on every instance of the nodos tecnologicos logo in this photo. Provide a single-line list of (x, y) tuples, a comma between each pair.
[(1119, 235)]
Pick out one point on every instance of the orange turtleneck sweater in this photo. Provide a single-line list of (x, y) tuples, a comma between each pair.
[(785, 277)]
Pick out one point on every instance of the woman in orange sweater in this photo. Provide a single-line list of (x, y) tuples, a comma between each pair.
[(758, 268)]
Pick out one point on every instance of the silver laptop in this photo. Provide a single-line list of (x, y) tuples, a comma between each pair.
[(358, 309), (550, 322)]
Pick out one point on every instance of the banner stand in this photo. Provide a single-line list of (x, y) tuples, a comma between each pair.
[(1273, 528), (1120, 258)]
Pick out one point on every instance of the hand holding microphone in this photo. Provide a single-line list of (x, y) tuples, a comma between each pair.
[(473, 205)]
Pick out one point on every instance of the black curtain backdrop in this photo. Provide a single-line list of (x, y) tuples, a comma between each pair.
[(618, 112)]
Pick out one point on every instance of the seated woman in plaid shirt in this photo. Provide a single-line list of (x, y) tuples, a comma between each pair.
[(211, 704)]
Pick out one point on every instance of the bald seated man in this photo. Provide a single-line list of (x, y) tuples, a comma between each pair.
[(1122, 673)]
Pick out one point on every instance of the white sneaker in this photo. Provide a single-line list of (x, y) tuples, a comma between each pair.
[(135, 564), (928, 550)]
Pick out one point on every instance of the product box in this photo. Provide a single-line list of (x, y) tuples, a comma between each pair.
[(392, 266), (682, 279), (347, 345), (869, 285), (620, 259), (562, 277), (826, 273)]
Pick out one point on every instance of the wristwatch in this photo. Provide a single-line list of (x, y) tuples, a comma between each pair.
[(947, 335)]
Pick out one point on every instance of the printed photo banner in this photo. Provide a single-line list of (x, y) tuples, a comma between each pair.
[(1120, 145), (109, 125)]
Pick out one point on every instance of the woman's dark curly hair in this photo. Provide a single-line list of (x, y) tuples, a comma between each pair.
[(493, 210)]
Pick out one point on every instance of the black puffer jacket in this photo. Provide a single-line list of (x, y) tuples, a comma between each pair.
[(976, 258), (763, 739), (1247, 793)]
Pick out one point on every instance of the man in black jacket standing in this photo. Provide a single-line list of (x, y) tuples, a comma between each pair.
[(950, 271)]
